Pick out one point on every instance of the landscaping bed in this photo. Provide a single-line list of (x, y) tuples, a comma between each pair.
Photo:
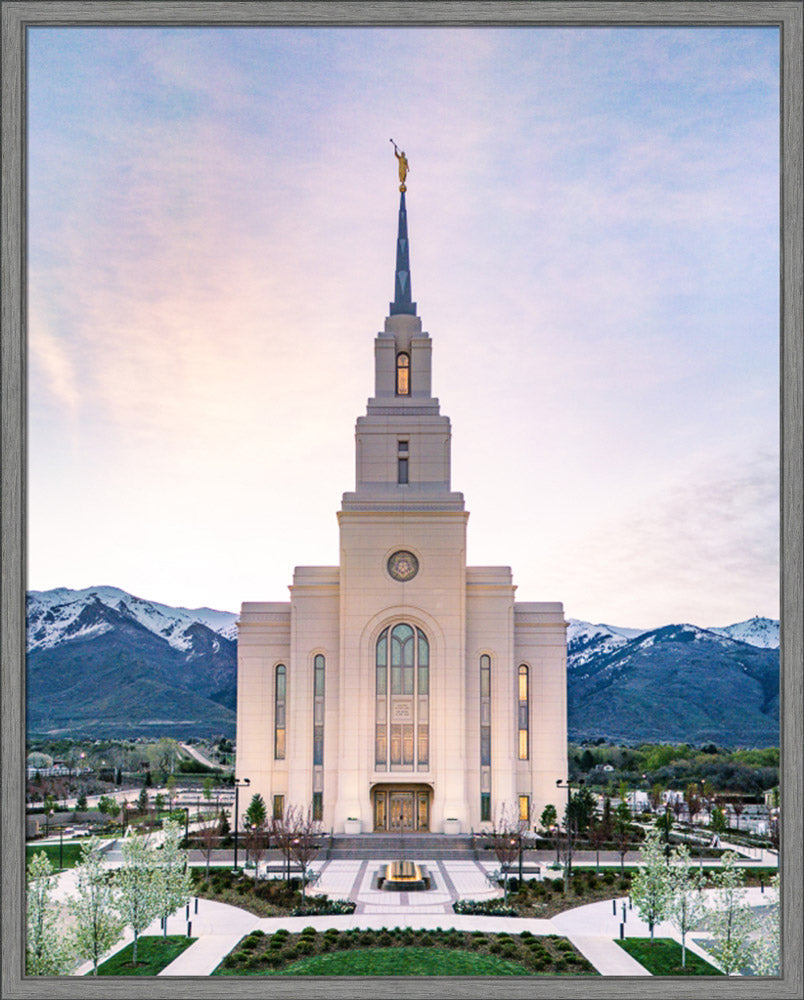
[(402, 952), (264, 898)]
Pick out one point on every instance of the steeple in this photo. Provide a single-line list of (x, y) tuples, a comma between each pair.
[(402, 304)]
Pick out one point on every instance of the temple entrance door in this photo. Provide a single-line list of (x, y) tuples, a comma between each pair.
[(401, 811), (401, 808)]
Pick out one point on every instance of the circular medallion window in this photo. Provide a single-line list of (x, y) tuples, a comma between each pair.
[(403, 566)]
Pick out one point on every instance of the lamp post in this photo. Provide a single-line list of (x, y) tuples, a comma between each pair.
[(61, 846), (238, 784), (569, 785)]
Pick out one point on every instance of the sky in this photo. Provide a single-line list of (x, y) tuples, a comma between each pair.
[(593, 221)]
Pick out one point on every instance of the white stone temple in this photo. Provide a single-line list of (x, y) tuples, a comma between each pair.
[(403, 689)]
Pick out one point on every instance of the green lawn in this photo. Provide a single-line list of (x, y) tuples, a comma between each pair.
[(663, 958), (71, 853), (154, 953)]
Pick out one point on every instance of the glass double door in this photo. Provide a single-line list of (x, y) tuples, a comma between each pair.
[(401, 809)]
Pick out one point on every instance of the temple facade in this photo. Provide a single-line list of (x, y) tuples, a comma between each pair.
[(403, 689)]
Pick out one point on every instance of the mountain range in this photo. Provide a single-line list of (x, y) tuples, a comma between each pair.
[(105, 663)]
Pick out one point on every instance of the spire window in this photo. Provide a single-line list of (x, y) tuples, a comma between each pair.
[(402, 374)]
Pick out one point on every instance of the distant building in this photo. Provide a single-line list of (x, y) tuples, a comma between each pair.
[(403, 689)]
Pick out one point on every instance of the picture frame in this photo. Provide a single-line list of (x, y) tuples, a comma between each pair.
[(16, 18)]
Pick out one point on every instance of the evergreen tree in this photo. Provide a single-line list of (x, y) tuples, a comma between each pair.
[(686, 906), (256, 812), (81, 802), (142, 801), (97, 925), (731, 919), (137, 899), (47, 953), (650, 888)]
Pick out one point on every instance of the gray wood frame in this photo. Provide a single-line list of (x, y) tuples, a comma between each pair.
[(16, 16)]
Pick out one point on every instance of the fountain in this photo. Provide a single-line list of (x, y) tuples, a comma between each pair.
[(403, 876)]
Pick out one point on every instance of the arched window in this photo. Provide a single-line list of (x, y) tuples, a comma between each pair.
[(402, 734), (522, 713), (402, 374), (279, 711)]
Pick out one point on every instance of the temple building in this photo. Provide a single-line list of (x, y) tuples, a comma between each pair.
[(403, 689)]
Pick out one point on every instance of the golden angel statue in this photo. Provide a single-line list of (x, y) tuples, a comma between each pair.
[(404, 166)]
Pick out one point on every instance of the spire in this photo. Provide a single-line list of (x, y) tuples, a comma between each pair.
[(402, 293)]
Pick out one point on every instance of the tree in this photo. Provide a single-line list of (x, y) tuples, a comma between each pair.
[(303, 833), (46, 951), (97, 925), (708, 798), (685, 907), (731, 919), (597, 838), (137, 900), (159, 802), (738, 807), (173, 884), (504, 839), (650, 887), (622, 832), (655, 796), (109, 806), (208, 835), (719, 824), (170, 785), (81, 802), (163, 755), (256, 812), (582, 809), (766, 954), (548, 821), (142, 801), (693, 799), (49, 805)]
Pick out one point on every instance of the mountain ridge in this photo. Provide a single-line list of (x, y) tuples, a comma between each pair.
[(100, 660)]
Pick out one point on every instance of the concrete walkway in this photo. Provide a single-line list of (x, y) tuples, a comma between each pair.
[(593, 929)]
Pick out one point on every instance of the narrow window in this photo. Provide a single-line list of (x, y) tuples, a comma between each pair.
[(485, 735), (279, 712), (402, 471), (318, 805), (485, 807), (524, 808), (279, 806), (402, 374), (485, 746), (523, 713)]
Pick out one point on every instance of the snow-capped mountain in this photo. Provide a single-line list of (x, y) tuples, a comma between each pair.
[(757, 631), (102, 661), (60, 615)]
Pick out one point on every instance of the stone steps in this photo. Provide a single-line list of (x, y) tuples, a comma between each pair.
[(412, 846)]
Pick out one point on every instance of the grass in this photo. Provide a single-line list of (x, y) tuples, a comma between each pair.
[(404, 962), (663, 958), (154, 953), (401, 952), (71, 853)]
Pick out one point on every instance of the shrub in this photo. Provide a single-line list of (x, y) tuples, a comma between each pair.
[(608, 878), (344, 941), (305, 947), (290, 953), (273, 959), (525, 935), (624, 884), (558, 884), (384, 938), (308, 931)]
